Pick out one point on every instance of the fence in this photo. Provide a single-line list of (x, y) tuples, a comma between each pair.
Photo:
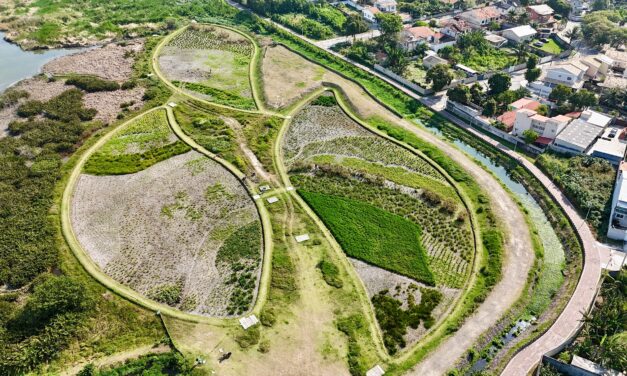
[(402, 80)]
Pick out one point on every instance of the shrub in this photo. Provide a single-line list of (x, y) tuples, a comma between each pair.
[(324, 100), (267, 317), (330, 273), (169, 294), (249, 337), (92, 84)]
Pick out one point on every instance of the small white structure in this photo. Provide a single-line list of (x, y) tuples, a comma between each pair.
[(172, 104), (264, 188), (375, 371), (387, 6), (290, 188), (495, 40), (369, 13), (433, 60), (272, 200), (301, 238), (520, 34), (256, 197), (247, 322)]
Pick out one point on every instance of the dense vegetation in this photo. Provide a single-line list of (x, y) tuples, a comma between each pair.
[(605, 27), (92, 84), (603, 338), (52, 21), (314, 20), (373, 235), (586, 181), (475, 52), (141, 144), (394, 320), (330, 273), (152, 364)]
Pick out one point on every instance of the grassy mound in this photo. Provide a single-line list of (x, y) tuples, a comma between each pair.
[(373, 235)]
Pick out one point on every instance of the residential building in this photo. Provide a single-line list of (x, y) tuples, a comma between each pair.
[(541, 14), (387, 6), (545, 127), (481, 17), (617, 228), (454, 27), (520, 34), (598, 66), (619, 58), (581, 133), (526, 103), (506, 7), (413, 36), (432, 60), (571, 74), (370, 13), (406, 18), (495, 40)]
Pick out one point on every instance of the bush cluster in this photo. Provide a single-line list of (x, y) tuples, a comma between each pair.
[(92, 84)]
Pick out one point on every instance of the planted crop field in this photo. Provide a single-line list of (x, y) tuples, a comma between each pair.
[(327, 153), (183, 232), (212, 63), (141, 144)]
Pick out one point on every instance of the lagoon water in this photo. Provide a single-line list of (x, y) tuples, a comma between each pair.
[(16, 64)]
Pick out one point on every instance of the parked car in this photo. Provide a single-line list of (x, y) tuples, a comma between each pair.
[(545, 40), (538, 44)]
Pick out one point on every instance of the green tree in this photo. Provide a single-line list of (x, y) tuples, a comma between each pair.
[(532, 74), (396, 60), (499, 83), (560, 94), (614, 97), (583, 98), (560, 7), (476, 94), (489, 108), (355, 24), (390, 25), (439, 76), (530, 136), (459, 94)]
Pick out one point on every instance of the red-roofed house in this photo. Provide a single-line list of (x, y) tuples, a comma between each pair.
[(481, 17), (527, 103), (413, 36), (454, 28)]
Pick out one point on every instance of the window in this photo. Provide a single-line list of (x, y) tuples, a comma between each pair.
[(569, 78), (619, 216)]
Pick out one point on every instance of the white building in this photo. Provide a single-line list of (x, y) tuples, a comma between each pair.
[(545, 127), (617, 229), (432, 60), (520, 34), (370, 13), (581, 133), (387, 6), (570, 74), (598, 66)]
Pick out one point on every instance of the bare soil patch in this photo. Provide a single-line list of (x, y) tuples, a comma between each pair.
[(109, 103), (161, 228), (111, 62)]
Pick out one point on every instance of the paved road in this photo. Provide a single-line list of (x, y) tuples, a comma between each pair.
[(569, 321)]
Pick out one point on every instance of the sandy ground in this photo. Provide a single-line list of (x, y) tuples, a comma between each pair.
[(120, 222), (111, 62)]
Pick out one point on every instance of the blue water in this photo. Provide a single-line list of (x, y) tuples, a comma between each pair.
[(16, 64)]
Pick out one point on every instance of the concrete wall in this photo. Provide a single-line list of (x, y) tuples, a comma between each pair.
[(403, 81), (566, 369)]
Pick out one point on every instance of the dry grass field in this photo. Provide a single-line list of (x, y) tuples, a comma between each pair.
[(183, 231)]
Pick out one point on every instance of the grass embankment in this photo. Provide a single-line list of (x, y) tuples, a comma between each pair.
[(143, 143), (373, 235)]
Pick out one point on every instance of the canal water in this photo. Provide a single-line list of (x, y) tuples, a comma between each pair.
[(554, 256), (16, 64)]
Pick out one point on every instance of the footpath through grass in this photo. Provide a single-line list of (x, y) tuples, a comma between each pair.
[(373, 235)]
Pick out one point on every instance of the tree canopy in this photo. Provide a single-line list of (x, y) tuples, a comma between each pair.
[(439, 76)]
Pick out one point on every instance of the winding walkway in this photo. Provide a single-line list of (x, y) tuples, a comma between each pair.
[(569, 321)]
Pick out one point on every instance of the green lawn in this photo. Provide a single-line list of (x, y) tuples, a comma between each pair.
[(415, 72), (550, 47), (373, 235)]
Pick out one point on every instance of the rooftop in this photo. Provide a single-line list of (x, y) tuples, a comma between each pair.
[(527, 103), (579, 133), (373, 10), (495, 38), (508, 118), (522, 31), (483, 13), (421, 32), (595, 118), (616, 55), (542, 9), (434, 59), (612, 148)]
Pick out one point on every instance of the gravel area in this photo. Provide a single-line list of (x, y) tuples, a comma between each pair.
[(111, 62), (159, 227), (108, 103)]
